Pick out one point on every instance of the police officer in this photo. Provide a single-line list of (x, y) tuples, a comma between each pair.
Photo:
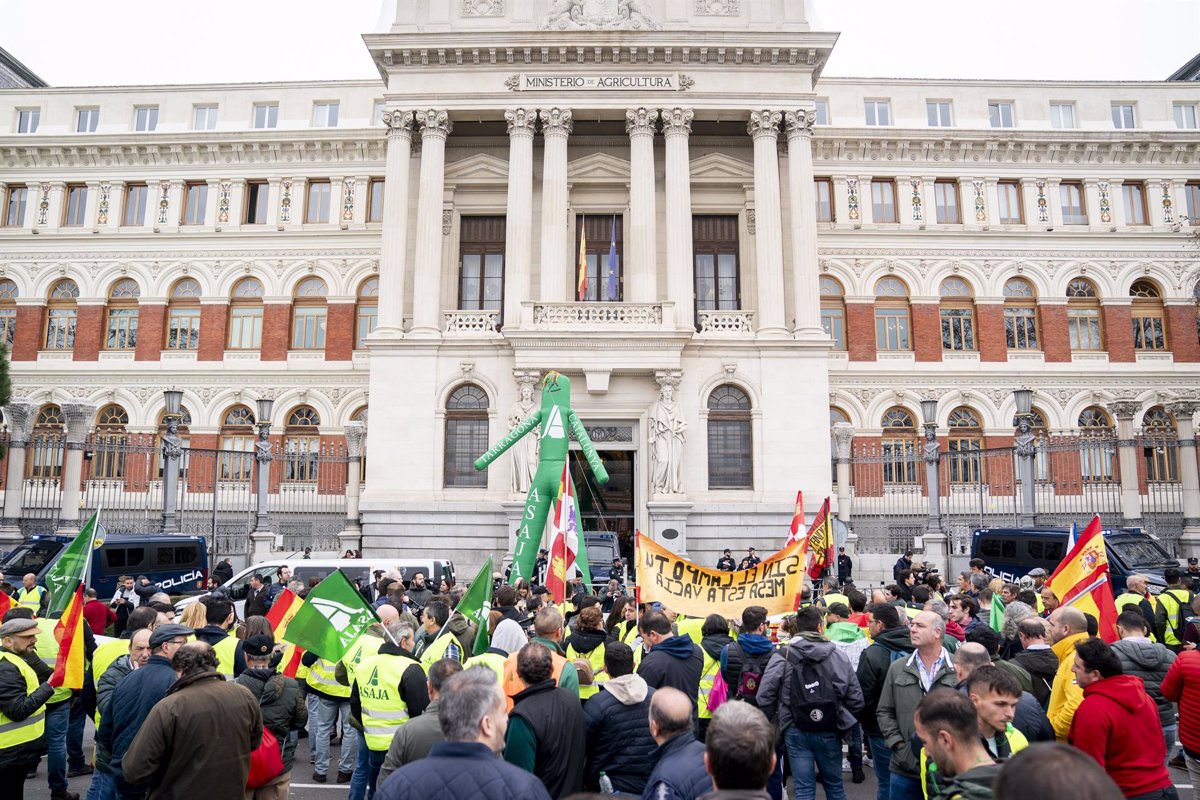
[(1191, 578), (751, 560), (22, 706), (726, 562), (32, 596)]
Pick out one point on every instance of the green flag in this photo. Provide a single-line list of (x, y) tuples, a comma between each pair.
[(333, 615), (996, 617), (476, 605), (68, 570)]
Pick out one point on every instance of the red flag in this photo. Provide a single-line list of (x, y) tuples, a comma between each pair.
[(1081, 580), (69, 666), (282, 610), (797, 518), (5, 603), (290, 664), (564, 539), (820, 542)]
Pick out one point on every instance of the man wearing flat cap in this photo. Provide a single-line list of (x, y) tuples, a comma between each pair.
[(22, 706)]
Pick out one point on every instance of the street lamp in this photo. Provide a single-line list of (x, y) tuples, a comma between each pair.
[(263, 456), (1024, 398), (265, 406), (172, 451), (174, 400), (929, 412), (1025, 445)]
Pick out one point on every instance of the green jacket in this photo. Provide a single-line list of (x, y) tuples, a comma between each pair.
[(844, 632), (902, 693)]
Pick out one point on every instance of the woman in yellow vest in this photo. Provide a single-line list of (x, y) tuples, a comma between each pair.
[(507, 639), (587, 644), (714, 637), (622, 622), (22, 721)]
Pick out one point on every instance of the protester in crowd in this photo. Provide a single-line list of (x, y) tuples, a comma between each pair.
[(1137, 594), (890, 642), (587, 644), (332, 704), (858, 608), (964, 610), (949, 641), (136, 657), (947, 726), (750, 560), (435, 641), (1182, 686), (1053, 770), (726, 562), (995, 695), (812, 746), (124, 602), (548, 632), (418, 593), (1028, 716), (612, 593), (616, 726), (1014, 612), (97, 613), (992, 643), (545, 728), (1068, 627), (1036, 658), (621, 622), (907, 681), (256, 597), (852, 642), (714, 638), (282, 576), (1174, 603), (673, 661), (223, 571), (739, 753), (282, 706), (678, 772), (1049, 601), (219, 617), (459, 626), (1116, 723), (1149, 661), (22, 701), (414, 739), (902, 563), (749, 654)]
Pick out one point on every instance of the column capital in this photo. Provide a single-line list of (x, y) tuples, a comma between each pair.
[(640, 121), (521, 122), (556, 121), (1124, 409), (800, 123), (434, 123), (843, 437), (78, 416), (20, 415), (764, 123), (1183, 409), (355, 433), (677, 121), (398, 123)]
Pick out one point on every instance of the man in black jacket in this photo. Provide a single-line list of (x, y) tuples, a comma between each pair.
[(679, 772), (22, 705), (891, 642), (674, 661), (1036, 658), (545, 728), (281, 701), (616, 725)]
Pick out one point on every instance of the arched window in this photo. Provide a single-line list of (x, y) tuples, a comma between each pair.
[(730, 439), (899, 446), (891, 314), (8, 311), (237, 444), (184, 439), (1159, 446), (1083, 315), (367, 313), (1149, 328), (108, 443), (308, 314), (466, 437), (1020, 315), (60, 315), (122, 324), (1096, 446), (46, 449), (966, 442), (836, 415), (833, 311), (183, 315), (301, 445), (958, 314), (246, 315)]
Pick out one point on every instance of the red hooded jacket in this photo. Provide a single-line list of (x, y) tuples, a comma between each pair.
[(1182, 686), (1117, 724), (956, 630)]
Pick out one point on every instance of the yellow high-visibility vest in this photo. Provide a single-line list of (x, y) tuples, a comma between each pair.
[(493, 661), (47, 650), (30, 598), (708, 676), (383, 709), (13, 732), (363, 648), (321, 678), (226, 650), (596, 660), (437, 651)]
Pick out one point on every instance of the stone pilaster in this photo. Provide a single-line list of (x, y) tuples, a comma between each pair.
[(802, 196), (768, 240), (435, 126), (394, 251), (641, 262), (677, 129), (556, 228), (518, 224)]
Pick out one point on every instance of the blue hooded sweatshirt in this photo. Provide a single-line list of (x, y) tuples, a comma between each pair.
[(751, 644), (676, 662)]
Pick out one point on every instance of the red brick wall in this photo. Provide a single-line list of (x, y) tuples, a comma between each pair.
[(27, 338), (277, 334), (152, 321), (1181, 333), (200, 468), (339, 332), (213, 322), (860, 331), (89, 324), (998, 469), (927, 332), (1118, 333), (1055, 338), (989, 334)]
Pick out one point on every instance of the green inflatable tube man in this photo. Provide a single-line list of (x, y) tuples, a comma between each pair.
[(556, 417)]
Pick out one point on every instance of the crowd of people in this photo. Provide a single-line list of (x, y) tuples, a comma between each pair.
[(921, 685)]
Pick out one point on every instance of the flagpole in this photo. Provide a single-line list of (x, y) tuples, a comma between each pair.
[(87, 566)]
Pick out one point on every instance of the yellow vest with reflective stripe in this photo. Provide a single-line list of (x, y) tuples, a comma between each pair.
[(363, 648), (691, 626), (708, 676), (383, 709), (1173, 606), (596, 660), (1130, 598), (437, 651), (33, 727), (47, 651), (106, 654), (836, 597), (321, 678), (226, 649), (30, 598), (493, 661)]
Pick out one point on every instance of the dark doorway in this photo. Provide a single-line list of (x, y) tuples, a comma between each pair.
[(607, 508)]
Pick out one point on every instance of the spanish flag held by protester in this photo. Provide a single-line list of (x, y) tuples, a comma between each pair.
[(820, 543), (1081, 580), (69, 666), (282, 610)]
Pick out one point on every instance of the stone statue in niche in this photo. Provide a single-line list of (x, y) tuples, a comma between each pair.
[(524, 452), (667, 434), (932, 446), (172, 445), (598, 15)]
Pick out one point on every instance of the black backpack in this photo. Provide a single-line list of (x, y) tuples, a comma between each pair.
[(812, 698)]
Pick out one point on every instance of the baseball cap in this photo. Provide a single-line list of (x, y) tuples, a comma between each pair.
[(259, 645), (1037, 572), (656, 606), (165, 633), (19, 627)]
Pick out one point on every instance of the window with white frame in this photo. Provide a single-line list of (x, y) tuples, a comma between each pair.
[(1000, 114), (1185, 116), (377, 112), (1122, 116), (86, 120), (204, 118), (145, 118), (15, 203), (878, 112), (28, 119), (822, 112), (325, 114), (1062, 115), (266, 115), (136, 195), (938, 112)]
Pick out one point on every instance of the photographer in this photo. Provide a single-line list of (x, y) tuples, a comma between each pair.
[(123, 603), (611, 593)]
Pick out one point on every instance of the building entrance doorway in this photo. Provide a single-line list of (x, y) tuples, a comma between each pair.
[(608, 508)]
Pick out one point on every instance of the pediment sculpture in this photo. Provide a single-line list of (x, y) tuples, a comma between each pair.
[(567, 15)]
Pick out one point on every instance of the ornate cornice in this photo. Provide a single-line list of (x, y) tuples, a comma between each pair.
[(356, 434), (1124, 408), (78, 417), (19, 415)]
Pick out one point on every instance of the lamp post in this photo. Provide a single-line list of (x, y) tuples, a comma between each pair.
[(263, 458), (935, 541), (1026, 447), (172, 451)]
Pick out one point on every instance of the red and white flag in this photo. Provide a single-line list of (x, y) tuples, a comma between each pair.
[(564, 538), (797, 519)]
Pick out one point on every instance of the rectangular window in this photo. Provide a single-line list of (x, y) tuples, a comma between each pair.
[(964, 460), (266, 115), (1122, 116), (938, 112), (1074, 212), (375, 201), (1185, 116), (136, 195), (86, 120), (883, 201), (891, 328), (833, 320), (317, 208), (204, 118), (195, 198), (145, 118), (122, 329), (237, 462), (899, 460), (822, 112), (183, 328), (824, 187), (464, 437), (28, 119), (300, 458), (377, 112), (325, 115), (481, 264), (1020, 328), (60, 329), (1000, 114), (1133, 195), (1062, 115), (715, 260), (1149, 331), (256, 202), (8, 325), (1010, 203), (1083, 326), (602, 278), (1191, 192), (879, 112), (14, 209), (245, 327), (76, 205), (308, 328), (958, 329), (368, 318), (945, 197)]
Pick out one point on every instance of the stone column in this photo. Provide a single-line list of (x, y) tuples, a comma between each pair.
[(802, 195), (1189, 476), (677, 128), (171, 453), (768, 240), (393, 254), (351, 536), (19, 414), (556, 228), (261, 538), (1131, 496), (1026, 447), (843, 438), (78, 417), (435, 126), (641, 262), (518, 224), (935, 540)]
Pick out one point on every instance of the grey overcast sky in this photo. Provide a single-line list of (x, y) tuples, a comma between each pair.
[(74, 43)]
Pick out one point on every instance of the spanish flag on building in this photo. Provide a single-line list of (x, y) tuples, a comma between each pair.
[(581, 281), (1081, 580)]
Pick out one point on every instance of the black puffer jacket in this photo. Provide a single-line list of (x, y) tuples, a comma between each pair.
[(18, 704), (713, 644), (1042, 666), (1149, 661), (282, 704), (104, 689), (872, 669), (617, 726)]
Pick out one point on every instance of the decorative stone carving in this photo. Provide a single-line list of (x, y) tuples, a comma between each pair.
[(1168, 206), (667, 433), (172, 445), (348, 200), (764, 123), (481, 8), (78, 417), (718, 8), (1124, 408), (932, 446), (980, 201), (524, 454), (102, 208), (852, 199), (917, 211), (1105, 202), (800, 122), (599, 15), (677, 121), (1025, 440), (262, 445), (751, 221), (1043, 207), (19, 415), (285, 201), (556, 121), (521, 122), (397, 122), (1180, 409), (843, 438), (224, 192), (447, 221), (44, 204), (164, 202), (640, 121), (434, 122), (356, 434)]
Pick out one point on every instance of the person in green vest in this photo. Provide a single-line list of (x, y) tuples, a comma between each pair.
[(435, 641), (838, 628), (32, 596), (22, 706), (218, 619), (389, 689), (1173, 606)]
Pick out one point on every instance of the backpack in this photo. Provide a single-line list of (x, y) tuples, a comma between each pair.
[(812, 699), (753, 668)]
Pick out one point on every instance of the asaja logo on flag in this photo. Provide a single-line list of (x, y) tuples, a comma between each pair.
[(339, 616)]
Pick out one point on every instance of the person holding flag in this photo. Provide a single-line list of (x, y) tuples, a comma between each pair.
[(282, 705), (23, 699), (820, 542)]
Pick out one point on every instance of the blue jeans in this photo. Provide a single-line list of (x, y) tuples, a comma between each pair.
[(327, 716), (1170, 733), (905, 788), (375, 764), (881, 758), (808, 750), (102, 786), (58, 720), (362, 764)]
